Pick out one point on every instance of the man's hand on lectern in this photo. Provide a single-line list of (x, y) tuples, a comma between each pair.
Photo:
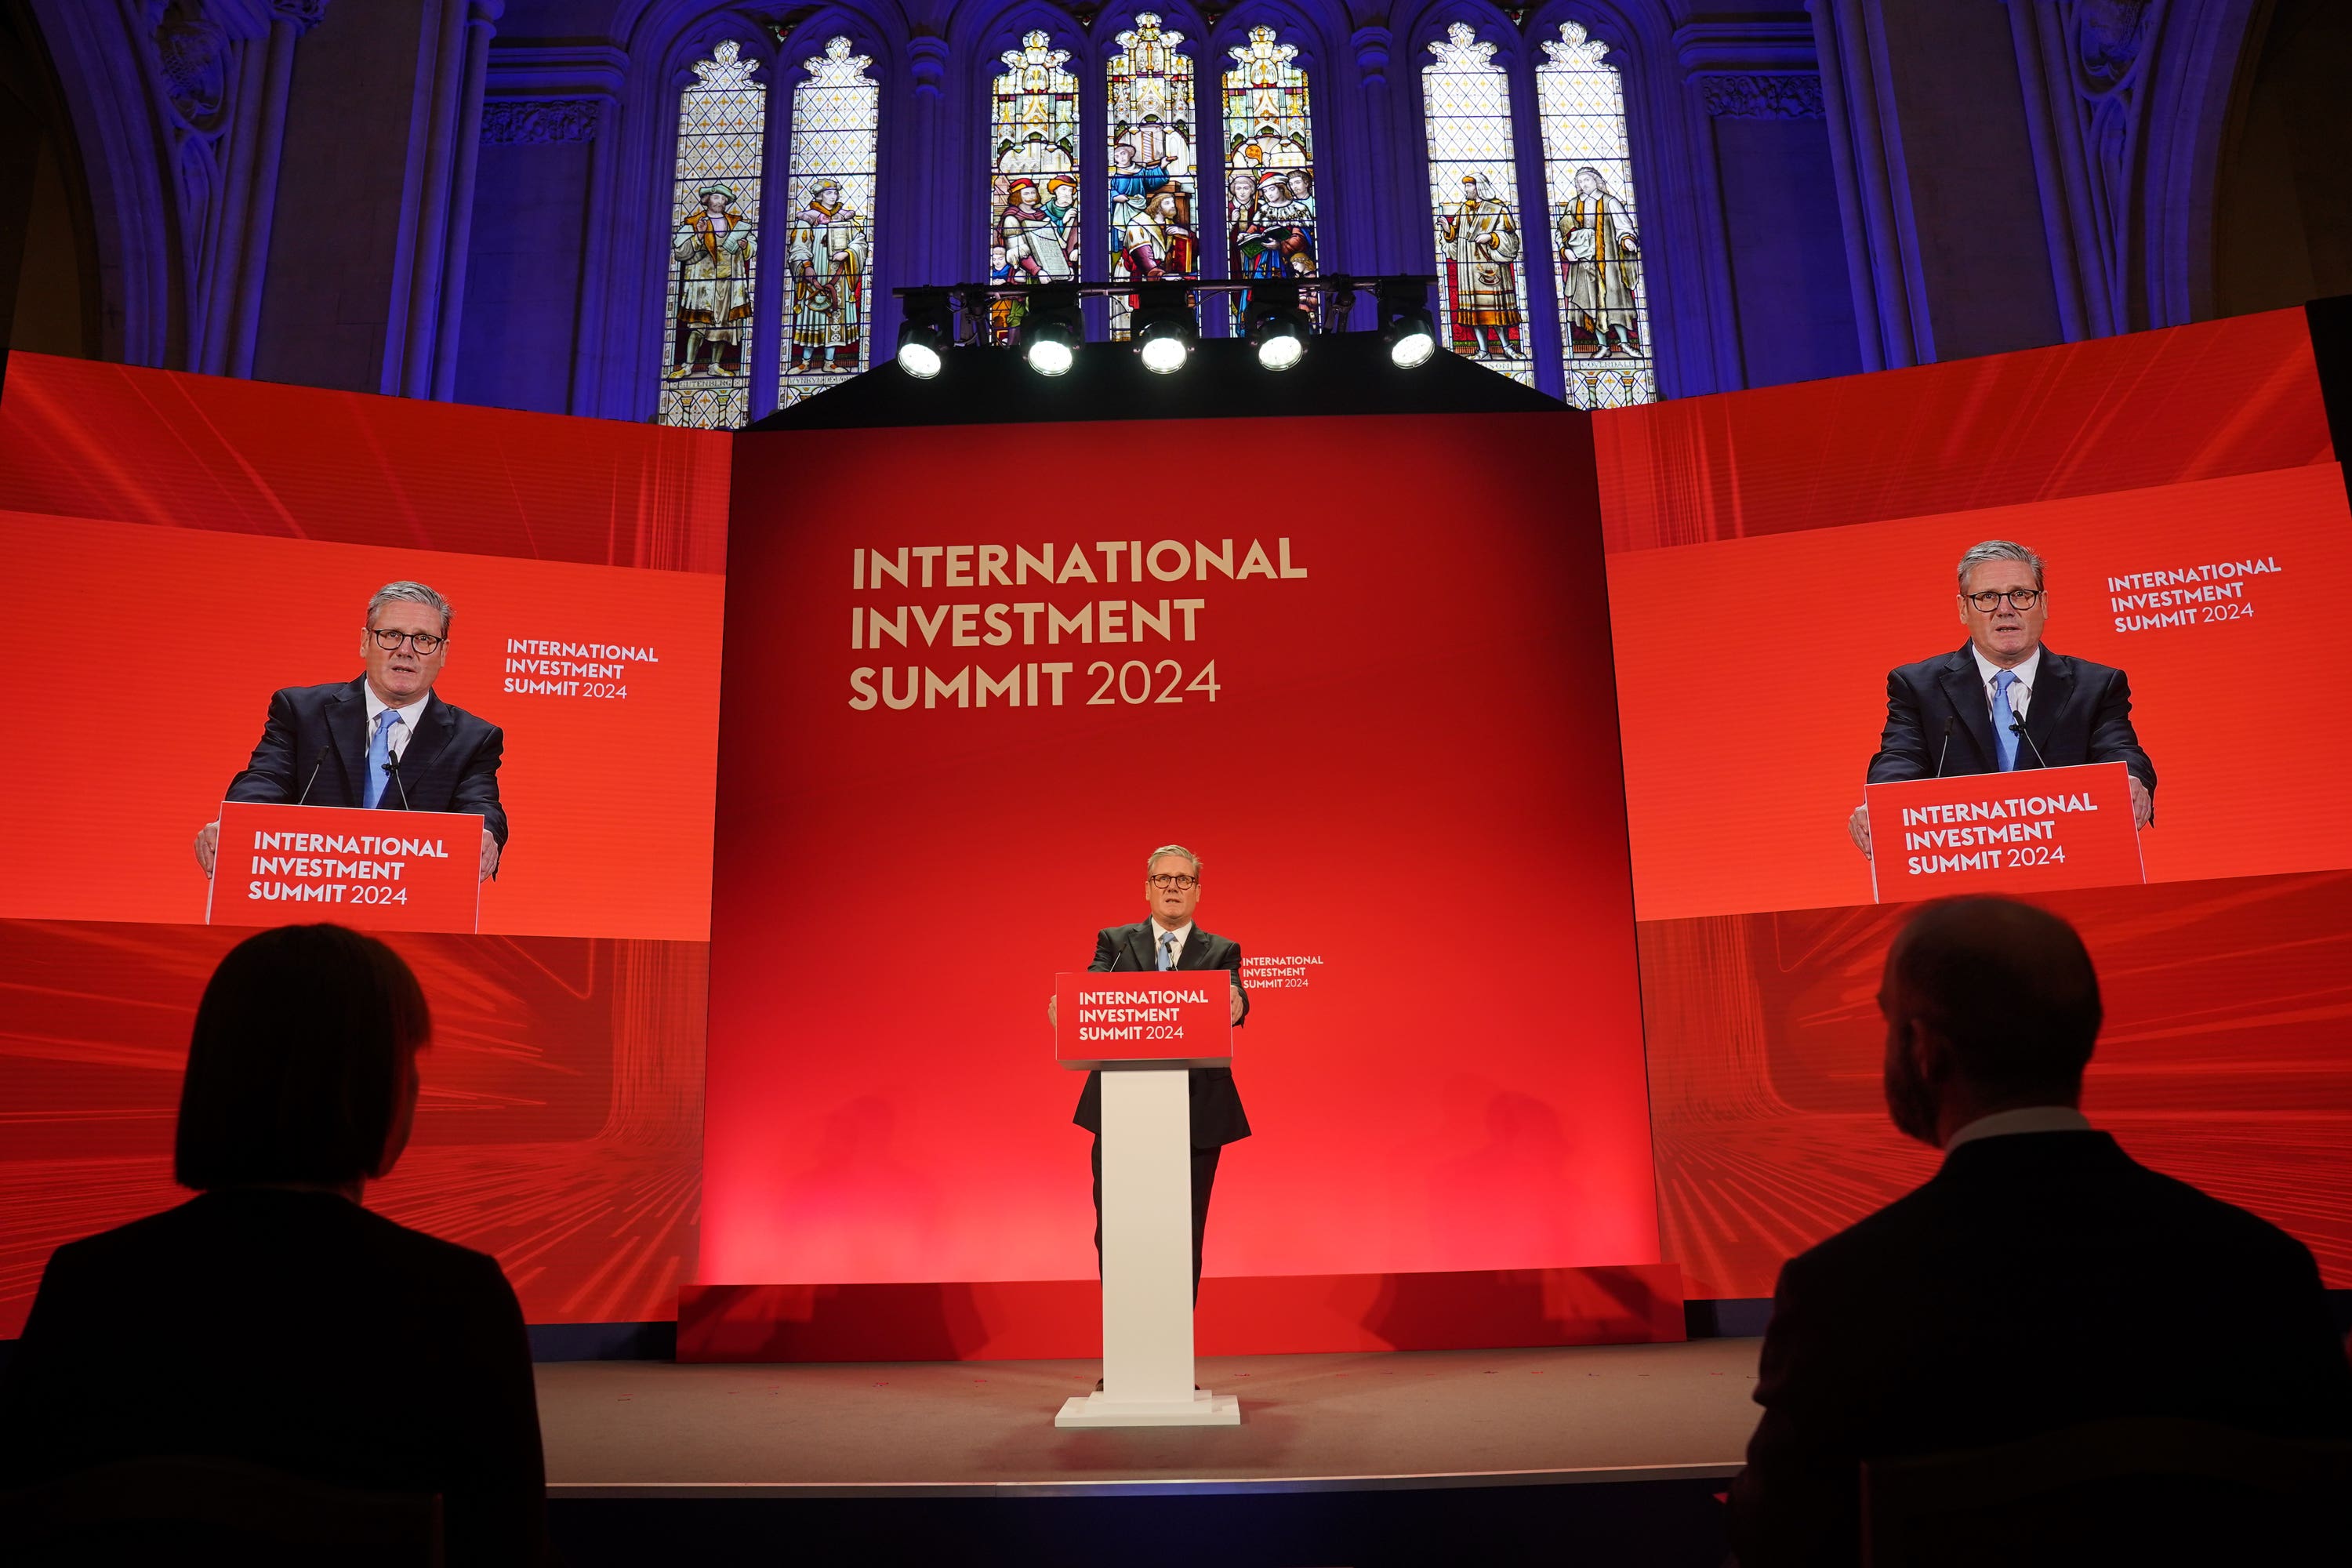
[(1051, 1003), (207, 841), (489, 854), (1236, 1017), (2143, 804), (1857, 827)]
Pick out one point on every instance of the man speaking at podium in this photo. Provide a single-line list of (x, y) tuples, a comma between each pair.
[(2004, 701), (383, 740), (1169, 939)]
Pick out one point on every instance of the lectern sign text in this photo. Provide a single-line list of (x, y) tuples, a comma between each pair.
[(1171, 1017), (2035, 829)]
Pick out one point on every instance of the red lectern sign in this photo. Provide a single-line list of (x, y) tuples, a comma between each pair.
[(1171, 1017), (2038, 828), (391, 870)]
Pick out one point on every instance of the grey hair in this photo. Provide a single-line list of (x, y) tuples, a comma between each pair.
[(415, 594), (1171, 849), (1998, 550)]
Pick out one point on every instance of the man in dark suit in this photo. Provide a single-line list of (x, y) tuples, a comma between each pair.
[(1169, 939), (383, 740), (2040, 1279), (2004, 701)]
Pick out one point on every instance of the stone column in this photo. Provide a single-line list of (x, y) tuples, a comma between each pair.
[(438, 195)]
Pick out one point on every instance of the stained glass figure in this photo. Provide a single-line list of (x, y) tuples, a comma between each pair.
[(1589, 178), (1271, 228), (1473, 193), (1154, 182), (830, 243), (1032, 191), (715, 207)]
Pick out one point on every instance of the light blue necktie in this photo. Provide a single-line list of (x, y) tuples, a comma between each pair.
[(2003, 735), (1168, 951), (379, 754)]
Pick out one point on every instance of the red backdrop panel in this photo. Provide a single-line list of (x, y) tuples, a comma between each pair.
[(1408, 781), (83, 439), (2114, 414), (182, 545)]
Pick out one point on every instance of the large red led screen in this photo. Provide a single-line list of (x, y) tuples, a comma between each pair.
[(1784, 550), (179, 548), (1360, 666)]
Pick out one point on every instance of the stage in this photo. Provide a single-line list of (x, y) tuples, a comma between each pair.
[(1616, 1450)]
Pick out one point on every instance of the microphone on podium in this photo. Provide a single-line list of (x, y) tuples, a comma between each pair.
[(312, 779), (1950, 719), (2017, 727), (392, 766)]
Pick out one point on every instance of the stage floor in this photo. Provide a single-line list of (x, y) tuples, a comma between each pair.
[(1310, 1423)]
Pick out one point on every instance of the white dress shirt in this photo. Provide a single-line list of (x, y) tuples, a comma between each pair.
[(2025, 1119), (1183, 934), (2020, 694), (403, 733)]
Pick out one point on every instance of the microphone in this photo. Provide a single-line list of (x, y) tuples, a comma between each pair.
[(2017, 727), (312, 779), (1950, 719), (392, 766)]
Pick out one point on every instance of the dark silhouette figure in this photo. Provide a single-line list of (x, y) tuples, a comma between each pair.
[(2043, 1278), (271, 1320)]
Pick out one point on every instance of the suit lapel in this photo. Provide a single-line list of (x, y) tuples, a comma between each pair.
[(347, 727), (1139, 946), (433, 732), (2051, 692), (1965, 692), (1196, 951)]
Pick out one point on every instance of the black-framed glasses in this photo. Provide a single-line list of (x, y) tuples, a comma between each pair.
[(1175, 884), (2019, 599), (390, 641)]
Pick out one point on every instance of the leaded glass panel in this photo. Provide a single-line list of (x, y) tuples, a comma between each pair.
[(1154, 187), (829, 245), (1589, 178), (1474, 198), (714, 249), (1033, 190), (1271, 228)]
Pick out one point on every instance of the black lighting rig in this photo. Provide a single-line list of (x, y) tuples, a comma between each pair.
[(1280, 317)]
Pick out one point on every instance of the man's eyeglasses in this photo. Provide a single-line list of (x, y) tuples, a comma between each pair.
[(1175, 884), (2019, 599), (390, 641)]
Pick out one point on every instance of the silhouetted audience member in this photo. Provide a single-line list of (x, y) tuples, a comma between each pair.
[(2041, 1279), (271, 1319)]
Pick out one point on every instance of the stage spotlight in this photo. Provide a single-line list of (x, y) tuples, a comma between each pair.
[(1165, 328), (1407, 327), (1276, 327), (1052, 330), (925, 333)]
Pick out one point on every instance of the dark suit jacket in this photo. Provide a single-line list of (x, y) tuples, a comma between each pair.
[(1217, 1116), (2081, 712), (451, 763), (2038, 1280), (294, 1330)]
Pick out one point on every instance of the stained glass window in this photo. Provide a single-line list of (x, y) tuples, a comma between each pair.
[(1033, 185), (829, 244), (1271, 230), (1596, 239), (1155, 186), (1474, 198), (714, 249)]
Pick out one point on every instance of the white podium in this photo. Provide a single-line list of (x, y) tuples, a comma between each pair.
[(1145, 1031)]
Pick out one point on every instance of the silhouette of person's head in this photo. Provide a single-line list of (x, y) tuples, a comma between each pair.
[(302, 1065), (1990, 1005)]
